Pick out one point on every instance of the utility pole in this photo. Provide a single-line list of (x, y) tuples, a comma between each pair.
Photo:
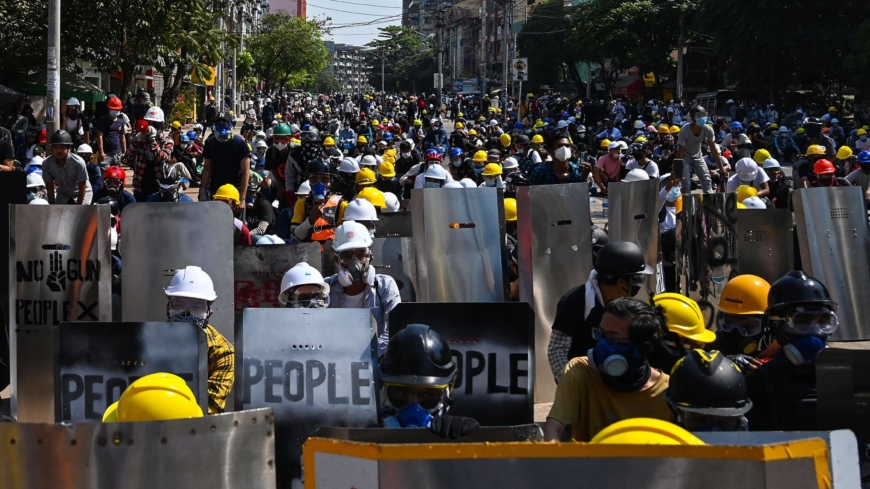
[(483, 52), (505, 52), (439, 43), (383, 54), (589, 80), (52, 87), (680, 48)]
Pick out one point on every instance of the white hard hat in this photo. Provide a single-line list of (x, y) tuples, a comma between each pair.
[(191, 282), (73, 101), (85, 148), (622, 144), (453, 184), (262, 144), (754, 203), (468, 183), (835, 121), (38, 202), (729, 101), (561, 124), (360, 210), (392, 203), (510, 163), (368, 160), (493, 122), (771, 163), (35, 180), (154, 114), (783, 129), (260, 134), (113, 237), (411, 142), (746, 168), (301, 274), (304, 188), (348, 165), (269, 239), (613, 145), (351, 235), (268, 101), (35, 161), (639, 125), (636, 175), (437, 172)]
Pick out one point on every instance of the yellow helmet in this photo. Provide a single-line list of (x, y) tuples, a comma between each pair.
[(227, 192), (815, 149), (684, 317), (459, 125), (492, 170), (460, 115), (362, 139), (373, 195), (386, 169), (761, 156), (498, 111), (663, 129), (425, 112), (472, 133), (176, 124), (745, 191), (774, 126), (155, 397), (641, 139), (505, 140), (741, 205), (365, 176), (844, 153), (862, 132), (645, 431), (492, 109), (604, 144), (375, 122), (539, 124), (418, 122), (278, 116), (479, 156), (510, 209), (744, 294), (329, 142), (537, 138), (675, 129)]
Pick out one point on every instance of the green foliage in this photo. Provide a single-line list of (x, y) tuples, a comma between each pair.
[(546, 40), (288, 50), (407, 60), (323, 82), (24, 32), (185, 105)]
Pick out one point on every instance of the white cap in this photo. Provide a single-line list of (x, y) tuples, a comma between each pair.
[(35, 161), (191, 282), (262, 144), (260, 134), (754, 203), (85, 148), (746, 168), (510, 163), (468, 183), (304, 188), (351, 235), (771, 163), (360, 210), (561, 124), (368, 160), (269, 239), (38, 202), (437, 172), (392, 203), (35, 180), (301, 274), (636, 175), (613, 145), (493, 122), (453, 184), (639, 125), (348, 165)]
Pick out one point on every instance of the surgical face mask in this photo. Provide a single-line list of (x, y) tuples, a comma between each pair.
[(114, 113), (700, 121), (863, 138), (406, 155), (673, 194), (490, 181), (457, 162), (281, 146), (563, 153), (433, 185)]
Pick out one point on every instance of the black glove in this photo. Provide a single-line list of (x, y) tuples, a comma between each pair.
[(453, 426)]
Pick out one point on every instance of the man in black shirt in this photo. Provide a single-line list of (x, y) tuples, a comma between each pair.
[(226, 160), (260, 215), (619, 271)]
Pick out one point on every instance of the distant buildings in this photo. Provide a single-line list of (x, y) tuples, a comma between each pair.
[(346, 65), (297, 8)]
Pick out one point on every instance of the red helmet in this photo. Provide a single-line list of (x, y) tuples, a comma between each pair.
[(433, 155), (142, 125), (115, 104), (116, 173), (823, 166)]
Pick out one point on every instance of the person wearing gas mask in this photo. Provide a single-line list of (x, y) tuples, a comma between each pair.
[(169, 184), (356, 285), (75, 123), (151, 150), (114, 179), (226, 160), (35, 187), (801, 316), (558, 170), (345, 183), (740, 331), (364, 212), (260, 215), (737, 141), (613, 381), (619, 271), (190, 296), (387, 181), (303, 287), (691, 138), (315, 216), (417, 375), (707, 392)]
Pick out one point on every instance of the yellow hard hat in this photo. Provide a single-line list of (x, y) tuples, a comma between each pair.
[(744, 294), (373, 195), (479, 156), (741, 205), (510, 209), (176, 124), (329, 141), (492, 109), (505, 140), (498, 111), (604, 144), (537, 138), (832, 109), (662, 129), (684, 317), (362, 139), (375, 122), (539, 124), (459, 125), (326, 110), (386, 169), (531, 95), (492, 170), (645, 431), (862, 132), (227, 192), (746, 191), (761, 156), (418, 122), (278, 116), (774, 126), (472, 133), (679, 206), (365, 176), (801, 130), (641, 139), (460, 115), (815, 149), (844, 153), (425, 112), (155, 397), (675, 129)]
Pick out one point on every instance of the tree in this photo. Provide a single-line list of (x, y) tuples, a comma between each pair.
[(405, 55), (245, 69), (287, 50), (546, 40), (24, 33), (323, 82)]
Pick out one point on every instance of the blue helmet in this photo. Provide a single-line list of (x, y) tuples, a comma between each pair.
[(458, 152), (736, 125), (191, 135), (518, 125), (565, 114), (184, 138), (864, 157), (388, 136), (546, 120)]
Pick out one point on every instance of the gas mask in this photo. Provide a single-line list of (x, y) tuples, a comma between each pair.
[(414, 407), (223, 131), (188, 310), (319, 192), (739, 333), (805, 334), (300, 299), (35, 193), (356, 272), (623, 366)]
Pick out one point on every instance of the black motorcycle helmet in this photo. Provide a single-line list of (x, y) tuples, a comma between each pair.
[(797, 288), (599, 239), (61, 137), (318, 167), (708, 383), (621, 259), (417, 356)]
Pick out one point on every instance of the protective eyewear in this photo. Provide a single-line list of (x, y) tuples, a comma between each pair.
[(747, 324), (812, 323), (613, 338), (347, 256), (315, 179), (637, 280), (429, 398), (180, 305), (113, 183), (307, 298), (279, 139)]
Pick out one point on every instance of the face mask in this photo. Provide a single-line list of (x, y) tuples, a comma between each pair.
[(804, 349), (700, 121), (281, 146), (478, 169), (863, 138), (623, 367), (673, 194), (319, 191), (433, 185), (563, 153), (406, 155), (114, 113), (413, 416), (187, 317), (457, 163), (355, 273), (489, 182), (34, 195)]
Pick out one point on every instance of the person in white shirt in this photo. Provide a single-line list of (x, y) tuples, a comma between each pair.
[(640, 159), (747, 173)]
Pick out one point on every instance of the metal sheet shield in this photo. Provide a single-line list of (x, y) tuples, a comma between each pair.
[(458, 245), (492, 345), (707, 250), (842, 389), (258, 271), (833, 238), (60, 270), (13, 190), (555, 255), (224, 451), (394, 225), (634, 217), (395, 257), (314, 368), (95, 362), (160, 238), (766, 242)]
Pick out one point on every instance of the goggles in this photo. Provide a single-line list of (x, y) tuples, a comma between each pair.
[(805, 323), (315, 179), (279, 139), (429, 398), (347, 256), (113, 183), (747, 324), (180, 305), (308, 299), (613, 338)]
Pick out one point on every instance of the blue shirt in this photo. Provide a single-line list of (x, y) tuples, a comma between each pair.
[(155, 197), (380, 299), (123, 199), (543, 174)]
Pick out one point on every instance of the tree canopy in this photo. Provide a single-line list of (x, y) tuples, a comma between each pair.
[(408, 60), (288, 50)]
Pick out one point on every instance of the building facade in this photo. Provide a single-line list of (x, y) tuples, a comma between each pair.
[(346, 65), (296, 8)]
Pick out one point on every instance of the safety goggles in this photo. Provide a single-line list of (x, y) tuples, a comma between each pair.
[(315, 179), (637, 280), (347, 256), (180, 305), (308, 298), (613, 338), (429, 398), (806, 323), (280, 139), (113, 183), (747, 324)]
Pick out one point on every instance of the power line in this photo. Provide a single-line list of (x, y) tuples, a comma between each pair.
[(343, 11), (365, 4)]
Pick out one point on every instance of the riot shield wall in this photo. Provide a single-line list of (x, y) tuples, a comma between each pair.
[(833, 238), (634, 217), (395, 257), (555, 255), (59, 270), (13, 190), (258, 271), (394, 225), (706, 255), (459, 245), (766, 242), (95, 362), (313, 367), (224, 451), (492, 345), (842, 388), (160, 238)]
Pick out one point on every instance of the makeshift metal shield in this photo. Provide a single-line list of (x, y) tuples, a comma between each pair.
[(395, 257), (313, 367), (842, 388), (555, 255), (459, 243), (258, 271), (706, 256), (95, 362), (833, 238), (394, 225), (766, 242), (634, 217), (13, 190), (62, 272), (492, 345)]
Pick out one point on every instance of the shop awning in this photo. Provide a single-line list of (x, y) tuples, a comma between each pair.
[(70, 86), (9, 96), (630, 86)]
